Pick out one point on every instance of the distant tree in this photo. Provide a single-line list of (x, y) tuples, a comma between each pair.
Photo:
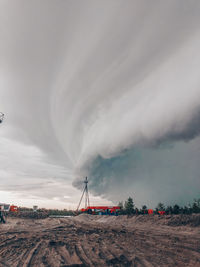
[(195, 208), (190, 209), (198, 202), (144, 209), (129, 206), (176, 209), (181, 211), (160, 207), (185, 210), (169, 210), (121, 211), (121, 205)]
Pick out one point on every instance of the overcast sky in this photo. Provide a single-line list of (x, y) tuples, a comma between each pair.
[(107, 89)]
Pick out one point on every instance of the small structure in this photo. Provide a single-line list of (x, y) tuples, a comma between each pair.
[(161, 212), (14, 208), (150, 211), (5, 207), (8, 208), (35, 208)]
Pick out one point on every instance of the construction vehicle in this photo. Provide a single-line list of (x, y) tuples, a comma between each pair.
[(8, 208), (13, 208), (102, 210)]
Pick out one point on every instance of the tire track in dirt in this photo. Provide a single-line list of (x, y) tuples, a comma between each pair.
[(72, 243), (82, 256)]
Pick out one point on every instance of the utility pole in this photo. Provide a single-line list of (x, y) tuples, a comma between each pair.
[(2, 217), (86, 192), (1, 117)]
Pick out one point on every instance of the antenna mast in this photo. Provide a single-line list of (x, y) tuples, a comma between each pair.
[(86, 192), (1, 117)]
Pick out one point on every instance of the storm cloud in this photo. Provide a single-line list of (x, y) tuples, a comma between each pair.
[(108, 89)]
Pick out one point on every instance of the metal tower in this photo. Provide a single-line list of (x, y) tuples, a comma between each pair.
[(1, 117), (86, 192)]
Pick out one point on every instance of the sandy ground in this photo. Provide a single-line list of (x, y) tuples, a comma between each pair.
[(88, 240)]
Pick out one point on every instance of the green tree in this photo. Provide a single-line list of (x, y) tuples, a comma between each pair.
[(121, 205), (185, 210), (195, 207), (169, 210), (144, 209), (160, 207), (129, 206), (176, 209)]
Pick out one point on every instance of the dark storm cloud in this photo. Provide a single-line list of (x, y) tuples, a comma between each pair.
[(167, 173)]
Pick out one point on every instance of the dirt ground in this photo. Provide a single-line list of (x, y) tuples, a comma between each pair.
[(89, 240)]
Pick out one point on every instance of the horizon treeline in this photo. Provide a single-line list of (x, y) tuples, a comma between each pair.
[(128, 208)]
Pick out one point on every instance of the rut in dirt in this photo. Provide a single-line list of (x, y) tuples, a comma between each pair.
[(72, 243)]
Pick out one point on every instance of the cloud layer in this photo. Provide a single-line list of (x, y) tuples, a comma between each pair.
[(105, 89)]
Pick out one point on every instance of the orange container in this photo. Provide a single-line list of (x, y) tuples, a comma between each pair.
[(13, 208)]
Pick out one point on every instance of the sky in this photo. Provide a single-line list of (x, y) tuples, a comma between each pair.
[(104, 89)]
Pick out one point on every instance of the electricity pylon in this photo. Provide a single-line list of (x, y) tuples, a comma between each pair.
[(86, 192), (1, 117)]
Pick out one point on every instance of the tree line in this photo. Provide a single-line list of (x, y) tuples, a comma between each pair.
[(128, 208)]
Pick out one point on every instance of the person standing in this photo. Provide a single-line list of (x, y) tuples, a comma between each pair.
[(2, 218)]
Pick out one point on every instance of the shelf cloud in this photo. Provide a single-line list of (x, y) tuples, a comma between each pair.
[(107, 89)]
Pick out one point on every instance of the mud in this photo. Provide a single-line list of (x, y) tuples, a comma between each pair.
[(88, 240)]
